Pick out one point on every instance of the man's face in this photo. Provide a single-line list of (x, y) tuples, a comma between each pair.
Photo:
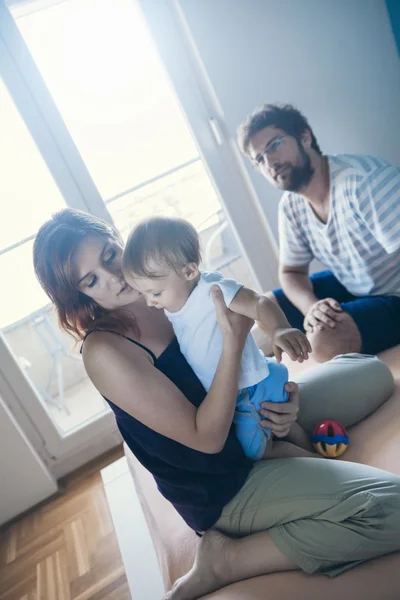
[(282, 159)]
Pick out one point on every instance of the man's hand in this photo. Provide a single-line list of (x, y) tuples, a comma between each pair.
[(322, 314), (291, 341)]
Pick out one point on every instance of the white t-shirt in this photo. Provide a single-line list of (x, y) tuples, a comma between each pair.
[(360, 243), (200, 340)]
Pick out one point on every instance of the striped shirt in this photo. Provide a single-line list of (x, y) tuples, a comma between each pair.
[(360, 243)]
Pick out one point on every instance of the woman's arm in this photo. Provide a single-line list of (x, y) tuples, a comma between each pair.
[(123, 373)]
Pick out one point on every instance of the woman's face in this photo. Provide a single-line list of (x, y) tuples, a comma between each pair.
[(97, 268)]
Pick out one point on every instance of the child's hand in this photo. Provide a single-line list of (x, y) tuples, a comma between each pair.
[(291, 341)]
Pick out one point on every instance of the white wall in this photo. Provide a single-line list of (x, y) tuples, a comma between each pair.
[(25, 480), (335, 59)]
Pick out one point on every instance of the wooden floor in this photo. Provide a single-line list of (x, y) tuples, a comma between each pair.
[(66, 548)]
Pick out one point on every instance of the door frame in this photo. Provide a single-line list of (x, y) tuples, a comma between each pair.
[(53, 140), (218, 149), (219, 154)]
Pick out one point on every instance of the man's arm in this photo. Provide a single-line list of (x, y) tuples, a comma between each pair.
[(294, 250), (297, 286)]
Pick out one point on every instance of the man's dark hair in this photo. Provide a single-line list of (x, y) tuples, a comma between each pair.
[(281, 116)]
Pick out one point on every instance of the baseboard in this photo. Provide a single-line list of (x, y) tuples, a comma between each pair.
[(81, 456)]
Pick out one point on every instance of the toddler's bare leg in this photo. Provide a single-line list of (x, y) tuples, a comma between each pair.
[(281, 449), (296, 444), (299, 437)]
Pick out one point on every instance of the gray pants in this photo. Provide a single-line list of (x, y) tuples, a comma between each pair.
[(325, 515)]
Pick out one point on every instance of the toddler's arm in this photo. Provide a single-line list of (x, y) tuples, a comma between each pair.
[(272, 319)]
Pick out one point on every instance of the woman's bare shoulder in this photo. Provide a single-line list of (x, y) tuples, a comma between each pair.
[(104, 349), (124, 374)]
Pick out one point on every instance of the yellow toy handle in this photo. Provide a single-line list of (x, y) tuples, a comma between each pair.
[(331, 450)]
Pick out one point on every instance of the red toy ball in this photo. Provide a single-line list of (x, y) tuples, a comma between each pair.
[(330, 439)]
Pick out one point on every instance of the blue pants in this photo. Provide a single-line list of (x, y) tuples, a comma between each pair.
[(377, 317), (249, 432)]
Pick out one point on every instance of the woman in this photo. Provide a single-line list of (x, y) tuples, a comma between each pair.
[(274, 516)]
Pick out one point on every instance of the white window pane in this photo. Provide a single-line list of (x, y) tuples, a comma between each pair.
[(124, 117), (21, 293), (187, 193), (102, 70), (28, 192), (47, 356)]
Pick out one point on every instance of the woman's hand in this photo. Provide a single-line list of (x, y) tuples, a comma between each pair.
[(280, 417), (234, 327)]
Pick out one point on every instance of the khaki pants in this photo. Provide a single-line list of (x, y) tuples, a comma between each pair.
[(325, 515)]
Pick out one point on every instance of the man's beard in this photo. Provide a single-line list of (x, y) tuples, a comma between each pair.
[(298, 176)]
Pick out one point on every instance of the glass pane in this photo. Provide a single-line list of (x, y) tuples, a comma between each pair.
[(123, 115), (103, 72), (23, 294), (168, 195), (23, 178), (47, 356)]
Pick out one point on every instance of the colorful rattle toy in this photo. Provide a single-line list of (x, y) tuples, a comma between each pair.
[(330, 439)]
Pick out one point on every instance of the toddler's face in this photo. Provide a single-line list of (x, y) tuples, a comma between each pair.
[(169, 290)]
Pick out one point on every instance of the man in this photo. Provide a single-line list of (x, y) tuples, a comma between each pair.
[(343, 210)]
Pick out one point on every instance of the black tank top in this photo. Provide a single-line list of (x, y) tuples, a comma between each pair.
[(197, 484)]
